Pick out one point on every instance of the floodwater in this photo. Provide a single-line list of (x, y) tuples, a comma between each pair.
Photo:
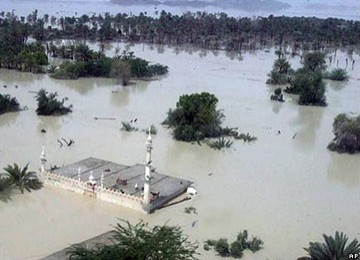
[(285, 191)]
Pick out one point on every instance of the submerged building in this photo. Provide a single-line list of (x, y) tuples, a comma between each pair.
[(138, 186)]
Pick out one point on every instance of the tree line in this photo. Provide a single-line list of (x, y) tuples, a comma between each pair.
[(205, 30)]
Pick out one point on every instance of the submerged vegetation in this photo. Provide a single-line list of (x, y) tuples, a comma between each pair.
[(281, 73), (48, 104), (89, 63), (128, 127), (8, 104), (196, 118), (201, 29), (347, 134), (308, 80), (334, 248), (337, 74), (140, 242), (16, 178), (235, 249)]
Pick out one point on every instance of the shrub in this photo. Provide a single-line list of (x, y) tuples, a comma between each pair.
[(337, 74), (347, 134), (48, 104), (222, 247), (8, 104), (220, 143), (126, 126)]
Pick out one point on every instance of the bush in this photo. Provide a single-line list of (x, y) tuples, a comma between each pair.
[(347, 134), (126, 126), (222, 247), (237, 247), (8, 104), (48, 104), (195, 117), (220, 143), (337, 74)]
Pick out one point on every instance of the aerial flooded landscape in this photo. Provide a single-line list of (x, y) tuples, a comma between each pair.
[(184, 130)]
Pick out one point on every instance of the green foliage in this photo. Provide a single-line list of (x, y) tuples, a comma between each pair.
[(347, 134), (19, 178), (8, 104), (195, 117), (278, 91), (245, 137), (337, 74), (126, 126), (334, 248), (140, 242), (281, 72), (222, 247), (312, 90), (48, 104), (315, 62), (308, 81), (158, 69), (220, 143), (237, 247)]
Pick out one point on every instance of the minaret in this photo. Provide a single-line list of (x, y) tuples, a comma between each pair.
[(149, 147), (43, 159)]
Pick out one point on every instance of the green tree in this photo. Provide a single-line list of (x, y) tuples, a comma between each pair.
[(21, 178), (195, 117), (312, 89), (347, 134), (334, 248), (140, 242), (281, 72), (8, 104), (48, 104), (315, 62)]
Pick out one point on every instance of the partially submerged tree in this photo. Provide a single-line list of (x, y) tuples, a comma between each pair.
[(48, 104), (334, 248), (19, 178), (281, 73), (195, 117), (347, 134), (140, 242), (308, 80), (8, 104), (337, 74)]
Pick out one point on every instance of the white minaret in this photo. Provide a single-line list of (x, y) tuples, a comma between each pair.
[(43, 159), (102, 180), (149, 147), (79, 174)]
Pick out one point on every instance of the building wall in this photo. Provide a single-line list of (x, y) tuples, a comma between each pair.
[(81, 187)]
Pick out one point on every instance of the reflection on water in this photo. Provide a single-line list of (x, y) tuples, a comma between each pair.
[(309, 120), (344, 169), (270, 187), (8, 118)]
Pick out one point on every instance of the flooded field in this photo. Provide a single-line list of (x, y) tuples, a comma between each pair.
[(285, 191)]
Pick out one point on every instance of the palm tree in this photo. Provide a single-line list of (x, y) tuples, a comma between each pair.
[(22, 178), (333, 248)]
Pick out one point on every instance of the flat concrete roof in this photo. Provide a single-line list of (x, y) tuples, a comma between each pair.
[(167, 186)]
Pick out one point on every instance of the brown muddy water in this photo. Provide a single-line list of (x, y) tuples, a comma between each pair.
[(285, 191)]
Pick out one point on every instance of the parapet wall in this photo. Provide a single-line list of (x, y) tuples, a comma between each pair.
[(81, 187)]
